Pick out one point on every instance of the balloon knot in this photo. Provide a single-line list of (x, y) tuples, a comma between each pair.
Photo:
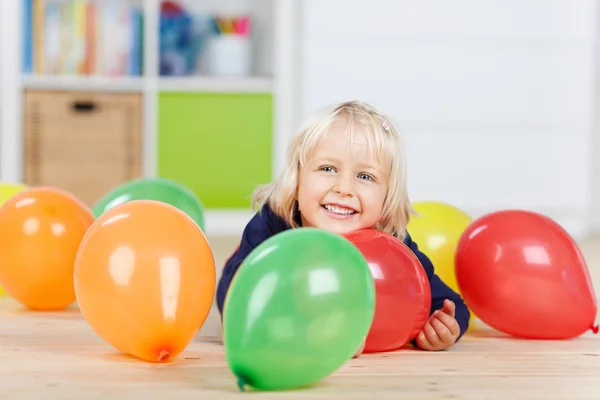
[(594, 328), (241, 383), (163, 356)]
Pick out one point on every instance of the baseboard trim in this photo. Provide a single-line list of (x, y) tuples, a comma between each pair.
[(595, 221), (224, 222), (577, 222)]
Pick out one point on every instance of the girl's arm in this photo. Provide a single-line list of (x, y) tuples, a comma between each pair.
[(262, 226), (440, 291)]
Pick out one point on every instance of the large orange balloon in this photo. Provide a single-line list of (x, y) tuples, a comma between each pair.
[(40, 231), (7, 190), (145, 279)]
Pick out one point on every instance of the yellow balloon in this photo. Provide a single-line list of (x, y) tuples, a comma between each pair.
[(8, 190), (436, 230)]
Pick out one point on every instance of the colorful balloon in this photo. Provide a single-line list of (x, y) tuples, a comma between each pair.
[(403, 295), (145, 279), (40, 232), (8, 190), (523, 275), (159, 189), (437, 229), (298, 308)]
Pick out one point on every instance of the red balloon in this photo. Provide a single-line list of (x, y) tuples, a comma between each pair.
[(522, 274), (402, 292)]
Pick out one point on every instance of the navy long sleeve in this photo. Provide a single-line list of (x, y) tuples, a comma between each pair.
[(266, 223), (262, 226), (440, 291)]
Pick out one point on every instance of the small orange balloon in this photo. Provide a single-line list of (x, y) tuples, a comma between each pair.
[(40, 232), (145, 279)]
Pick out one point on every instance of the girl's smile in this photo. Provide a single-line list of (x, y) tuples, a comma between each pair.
[(339, 211)]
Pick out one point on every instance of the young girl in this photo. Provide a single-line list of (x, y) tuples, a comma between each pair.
[(345, 171)]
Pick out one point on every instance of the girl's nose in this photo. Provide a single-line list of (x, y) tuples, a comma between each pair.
[(344, 186)]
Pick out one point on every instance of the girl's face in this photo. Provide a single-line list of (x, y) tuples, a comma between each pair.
[(341, 188)]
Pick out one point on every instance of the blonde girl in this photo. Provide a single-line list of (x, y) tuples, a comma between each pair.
[(345, 170)]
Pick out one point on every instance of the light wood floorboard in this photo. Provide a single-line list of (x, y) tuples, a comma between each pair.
[(57, 355)]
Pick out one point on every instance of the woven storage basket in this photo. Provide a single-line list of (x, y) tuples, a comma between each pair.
[(84, 143)]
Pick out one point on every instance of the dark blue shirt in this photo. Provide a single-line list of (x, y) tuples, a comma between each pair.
[(266, 224)]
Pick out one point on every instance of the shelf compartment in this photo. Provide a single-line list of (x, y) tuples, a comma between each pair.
[(217, 144)]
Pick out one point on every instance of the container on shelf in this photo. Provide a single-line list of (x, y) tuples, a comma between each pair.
[(229, 55), (82, 142)]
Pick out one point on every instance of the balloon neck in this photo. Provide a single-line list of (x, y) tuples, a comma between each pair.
[(241, 384), (594, 328), (163, 356)]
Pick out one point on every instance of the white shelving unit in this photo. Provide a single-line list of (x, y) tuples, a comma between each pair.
[(201, 84), (10, 95), (281, 80), (83, 83)]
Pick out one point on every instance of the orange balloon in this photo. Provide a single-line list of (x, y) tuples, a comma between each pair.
[(145, 279), (40, 232)]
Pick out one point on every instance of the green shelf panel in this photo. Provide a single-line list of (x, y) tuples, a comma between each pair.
[(217, 144)]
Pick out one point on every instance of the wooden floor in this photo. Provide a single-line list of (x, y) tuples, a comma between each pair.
[(57, 355)]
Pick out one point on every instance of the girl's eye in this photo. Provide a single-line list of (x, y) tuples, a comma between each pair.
[(365, 177), (327, 169)]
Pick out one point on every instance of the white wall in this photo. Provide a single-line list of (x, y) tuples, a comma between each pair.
[(595, 137), (494, 98)]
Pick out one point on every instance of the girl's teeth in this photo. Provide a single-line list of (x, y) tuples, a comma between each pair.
[(339, 210)]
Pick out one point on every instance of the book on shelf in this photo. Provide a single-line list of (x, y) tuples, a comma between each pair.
[(82, 37)]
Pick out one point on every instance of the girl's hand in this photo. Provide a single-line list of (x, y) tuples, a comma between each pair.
[(441, 330)]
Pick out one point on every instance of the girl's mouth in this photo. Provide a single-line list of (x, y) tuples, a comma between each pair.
[(338, 210)]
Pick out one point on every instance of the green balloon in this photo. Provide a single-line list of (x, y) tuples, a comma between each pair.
[(159, 189), (298, 308)]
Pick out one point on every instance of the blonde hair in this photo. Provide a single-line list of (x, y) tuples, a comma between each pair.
[(382, 138)]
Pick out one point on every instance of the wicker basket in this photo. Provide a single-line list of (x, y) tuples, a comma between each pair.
[(84, 143)]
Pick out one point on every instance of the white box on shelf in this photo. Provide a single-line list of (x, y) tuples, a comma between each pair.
[(229, 55)]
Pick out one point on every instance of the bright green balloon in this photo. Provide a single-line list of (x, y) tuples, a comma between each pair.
[(299, 307), (159, 189)]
